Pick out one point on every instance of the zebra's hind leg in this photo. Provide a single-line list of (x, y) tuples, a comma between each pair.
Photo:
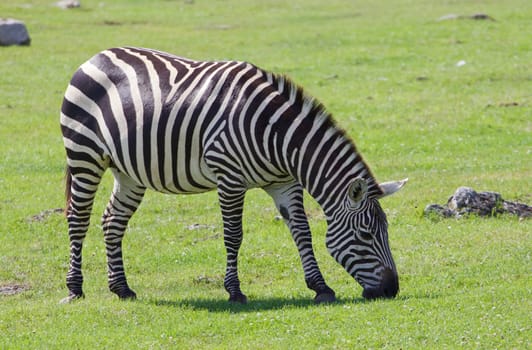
[(125, 199), (231, 205), (288, 199), (81, 188)]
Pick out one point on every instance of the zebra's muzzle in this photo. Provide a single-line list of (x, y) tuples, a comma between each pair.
[(388, 288)]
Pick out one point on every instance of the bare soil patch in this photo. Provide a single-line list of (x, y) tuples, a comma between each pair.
[(13, 288)]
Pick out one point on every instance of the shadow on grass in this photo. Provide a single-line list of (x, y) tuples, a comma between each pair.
[(264, 304), (259, 304)]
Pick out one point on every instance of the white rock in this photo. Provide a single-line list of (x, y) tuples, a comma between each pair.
[(68, 4)]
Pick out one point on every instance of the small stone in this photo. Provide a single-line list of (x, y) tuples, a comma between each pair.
[(438, 210), (481, 16), (13, 32), (68, 4), (448, 17), (475, 16)]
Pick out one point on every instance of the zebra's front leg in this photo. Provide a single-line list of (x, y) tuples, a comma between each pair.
[(231, 205), (125, 199), (288, 199)]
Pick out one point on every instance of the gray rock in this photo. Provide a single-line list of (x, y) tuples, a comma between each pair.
[(466, 201), (519, 209), (13, 32)]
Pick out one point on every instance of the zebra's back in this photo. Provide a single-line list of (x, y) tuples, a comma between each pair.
[(154, 116)]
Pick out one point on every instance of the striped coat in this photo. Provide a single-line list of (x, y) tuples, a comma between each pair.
[(180, 126)]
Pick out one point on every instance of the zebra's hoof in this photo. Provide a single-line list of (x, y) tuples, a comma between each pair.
[(72, 297), (127, 294), (238, 298), (323, 298), (123, 291)]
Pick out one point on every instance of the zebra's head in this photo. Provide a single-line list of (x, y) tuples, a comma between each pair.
[(357, 238)]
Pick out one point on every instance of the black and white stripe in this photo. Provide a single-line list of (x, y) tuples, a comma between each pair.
[(175, 125)]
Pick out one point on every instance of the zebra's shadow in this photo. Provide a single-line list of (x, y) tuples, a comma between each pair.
[(269, 303), (255, 304)]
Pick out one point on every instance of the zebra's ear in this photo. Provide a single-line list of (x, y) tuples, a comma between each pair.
[(357, 192), (391, 187)]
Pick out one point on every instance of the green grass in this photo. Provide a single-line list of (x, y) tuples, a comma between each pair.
[(387, 71)]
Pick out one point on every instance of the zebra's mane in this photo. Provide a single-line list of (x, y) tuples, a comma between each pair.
[(299, 97), (297, 94), (294, 92)]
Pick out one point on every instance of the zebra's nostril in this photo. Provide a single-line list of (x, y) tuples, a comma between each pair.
[(390, 283)]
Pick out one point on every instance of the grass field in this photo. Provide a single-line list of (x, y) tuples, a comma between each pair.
[(445, 103)]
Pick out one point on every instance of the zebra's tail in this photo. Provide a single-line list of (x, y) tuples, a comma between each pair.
[(68, 190)]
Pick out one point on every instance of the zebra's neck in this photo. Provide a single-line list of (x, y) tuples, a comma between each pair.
[(317, 153)]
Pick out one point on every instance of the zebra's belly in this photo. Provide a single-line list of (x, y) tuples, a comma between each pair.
[(171, 175), (199, 179), (188, 180)]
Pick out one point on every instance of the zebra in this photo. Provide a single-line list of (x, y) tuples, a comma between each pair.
[(179, 126)]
